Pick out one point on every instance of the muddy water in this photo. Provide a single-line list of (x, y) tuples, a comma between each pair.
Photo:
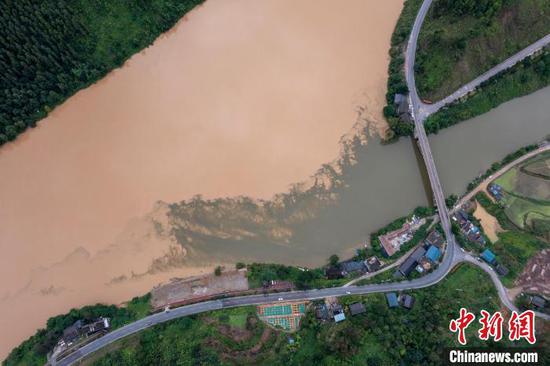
[(387, 183), (465, 150), (242, 97)]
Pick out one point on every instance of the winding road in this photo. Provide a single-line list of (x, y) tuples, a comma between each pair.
[(453, 255)]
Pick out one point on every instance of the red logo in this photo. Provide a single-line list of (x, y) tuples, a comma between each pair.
[(522, 326), (460, 324), (491, 326)]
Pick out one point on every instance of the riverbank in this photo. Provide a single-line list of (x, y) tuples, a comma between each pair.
[(97, 37)]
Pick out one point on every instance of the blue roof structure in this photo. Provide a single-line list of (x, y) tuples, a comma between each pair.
[(488, 256), (392, 299), (433, 253), (339, 317)]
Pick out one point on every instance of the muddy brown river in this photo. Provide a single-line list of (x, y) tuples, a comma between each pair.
[(241, 97)]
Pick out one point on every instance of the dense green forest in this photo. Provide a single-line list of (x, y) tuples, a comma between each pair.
[(381, 336), (461, 39), (52, 48)]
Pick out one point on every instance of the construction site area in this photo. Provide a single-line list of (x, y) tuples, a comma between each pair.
[(536, 275), (181, 291)]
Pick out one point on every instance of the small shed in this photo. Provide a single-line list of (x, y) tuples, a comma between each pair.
[(501, 270), (538, 301), (339, 317), (488, 256), (392, 300)]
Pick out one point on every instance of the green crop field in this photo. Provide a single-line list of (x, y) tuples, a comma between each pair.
[(527, 194)]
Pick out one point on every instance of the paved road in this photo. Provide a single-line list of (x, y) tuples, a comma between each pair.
[(502, 291), (422, 138), (187, 310), (453, 254), (428, 109)]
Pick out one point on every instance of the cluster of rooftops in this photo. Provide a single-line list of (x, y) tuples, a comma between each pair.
[(469, 229), (488, 256), (425, 256), (394, 300)]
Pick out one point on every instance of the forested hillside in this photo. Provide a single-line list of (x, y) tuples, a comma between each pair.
[(50, 49), (461, 39)]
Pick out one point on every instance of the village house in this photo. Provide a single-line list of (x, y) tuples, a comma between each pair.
[(357, 308), (392, 300), (372, 264), (434, 238), (488, 256), (496, 191), (471, 231), (410, 263), (501, 269), (350, 267), (407, 301)]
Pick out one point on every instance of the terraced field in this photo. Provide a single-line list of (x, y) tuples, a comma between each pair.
[(527, 195)]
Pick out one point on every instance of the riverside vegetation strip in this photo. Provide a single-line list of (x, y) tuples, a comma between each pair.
[(96, 37)]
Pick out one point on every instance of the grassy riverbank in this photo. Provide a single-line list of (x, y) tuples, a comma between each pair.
[(460, 40), (381, 336), (96, 36)]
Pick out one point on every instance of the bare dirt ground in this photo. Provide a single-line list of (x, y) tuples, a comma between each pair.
[(181, 289), (536, 275), (490, 225)]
